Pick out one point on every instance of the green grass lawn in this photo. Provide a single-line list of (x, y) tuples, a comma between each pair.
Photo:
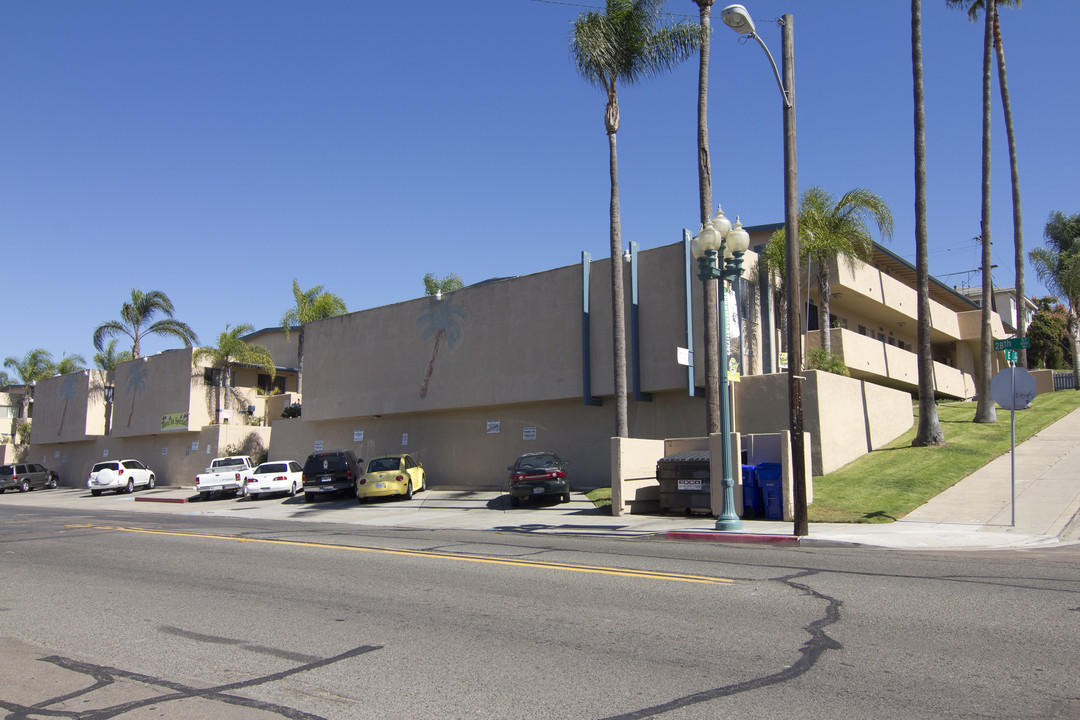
[(887, 484)]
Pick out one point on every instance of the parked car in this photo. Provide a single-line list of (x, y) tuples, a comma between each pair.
[(286, 476), (119, 475), (391, 475), (331, 471), (26, 476), (536, 475), (225, 474)]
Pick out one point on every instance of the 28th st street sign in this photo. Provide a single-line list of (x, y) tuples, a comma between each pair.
[(1012, 344)]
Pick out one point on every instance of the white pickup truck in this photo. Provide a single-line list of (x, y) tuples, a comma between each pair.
[(225, 474)]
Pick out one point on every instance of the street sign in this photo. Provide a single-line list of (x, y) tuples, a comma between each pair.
[(1012, 356), (1012, 344), (1013, 388)]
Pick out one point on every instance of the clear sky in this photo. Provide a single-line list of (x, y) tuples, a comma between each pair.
[(217, 150)]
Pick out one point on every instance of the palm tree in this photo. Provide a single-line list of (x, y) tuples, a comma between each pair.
[(311, 305), (434, 285), (36, 365), (1058, 267), (626, 43), (929, 432), (232, 350), (135, 322), (830, 229), (108, 359), (439, 320), (70, 364), (973, 9)]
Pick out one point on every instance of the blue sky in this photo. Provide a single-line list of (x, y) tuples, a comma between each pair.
[(217, 150)]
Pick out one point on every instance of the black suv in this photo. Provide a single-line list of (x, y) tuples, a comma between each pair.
[(26, 476), (329, 472)]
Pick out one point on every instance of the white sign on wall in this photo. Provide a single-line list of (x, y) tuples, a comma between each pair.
[(528, 433), (404, 439), (105, 452), (358, 436), (318, 446), (492, 426), (164, 451)]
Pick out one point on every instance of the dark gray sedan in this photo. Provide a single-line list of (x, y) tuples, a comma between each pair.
[(536, 475)]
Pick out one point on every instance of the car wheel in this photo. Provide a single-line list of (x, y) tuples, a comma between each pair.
[(565, 498), (515, 501), (241, 492), (292, 490), (150, 485), (423, 483), (361, 499), (309, 497), (25, 487), (95, 493), (51, 484), (408, 491), (130, 487)]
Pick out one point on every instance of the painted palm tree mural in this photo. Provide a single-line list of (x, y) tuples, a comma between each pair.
[(136, 384), (68, 391), (439, 320)]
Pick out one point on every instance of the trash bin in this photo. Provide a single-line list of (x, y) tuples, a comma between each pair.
[(770, 481), (684, 481), (753, 504)]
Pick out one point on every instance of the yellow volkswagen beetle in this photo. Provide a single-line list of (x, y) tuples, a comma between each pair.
[(389, 475)]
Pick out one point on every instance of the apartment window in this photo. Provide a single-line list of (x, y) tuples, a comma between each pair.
[(266, 384), (212, 376), (864, 331), (881, 336)]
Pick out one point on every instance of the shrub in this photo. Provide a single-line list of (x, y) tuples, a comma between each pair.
[(820, 359), (292, 411)]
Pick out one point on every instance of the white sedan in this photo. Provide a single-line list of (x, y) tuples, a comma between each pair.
[(119, 475), (275, 477)]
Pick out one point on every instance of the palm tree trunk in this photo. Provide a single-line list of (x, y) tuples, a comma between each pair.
[(824, 300), (300, 362), (709, 289), (431, 365), (1074, 342), (985, 411), (929, 431), (1014, 172), (618, 320)]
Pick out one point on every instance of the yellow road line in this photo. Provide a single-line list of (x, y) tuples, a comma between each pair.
[(430, 554)]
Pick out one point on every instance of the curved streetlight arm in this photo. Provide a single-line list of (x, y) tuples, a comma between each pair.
[(776, 71)]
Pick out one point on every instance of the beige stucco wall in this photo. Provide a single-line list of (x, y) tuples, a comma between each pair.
[(1044, 381), (69, 407), (175, 457), (283, 351)]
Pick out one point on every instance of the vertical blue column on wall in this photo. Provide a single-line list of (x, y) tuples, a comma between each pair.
[(635, 327), (689, 284), (586, 340), (765, 303)]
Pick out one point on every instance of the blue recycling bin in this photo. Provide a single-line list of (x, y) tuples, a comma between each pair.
[(753, 503), (771, 484)]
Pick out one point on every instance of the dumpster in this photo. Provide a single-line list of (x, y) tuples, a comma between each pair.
[(684, 481), (771, 483), (753, 504)]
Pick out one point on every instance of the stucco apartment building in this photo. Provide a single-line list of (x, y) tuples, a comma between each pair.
[(471, 379)]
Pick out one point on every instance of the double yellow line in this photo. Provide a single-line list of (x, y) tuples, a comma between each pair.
[(569, 567)]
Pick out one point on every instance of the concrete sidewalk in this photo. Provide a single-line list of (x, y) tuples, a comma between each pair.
[(973, 514)]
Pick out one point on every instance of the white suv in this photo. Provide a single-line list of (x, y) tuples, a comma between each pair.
[(119, 475)]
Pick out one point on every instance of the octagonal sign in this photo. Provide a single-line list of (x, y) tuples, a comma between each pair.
[(1013, 388)]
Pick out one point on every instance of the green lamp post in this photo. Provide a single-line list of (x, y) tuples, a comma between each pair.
[(718, 238)]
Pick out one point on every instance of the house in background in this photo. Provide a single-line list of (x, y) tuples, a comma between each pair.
[(1004, 304)]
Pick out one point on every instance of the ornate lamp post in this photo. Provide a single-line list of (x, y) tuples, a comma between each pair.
[(719, 238)]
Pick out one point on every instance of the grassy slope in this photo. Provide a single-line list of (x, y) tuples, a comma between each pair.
[(886, 484)]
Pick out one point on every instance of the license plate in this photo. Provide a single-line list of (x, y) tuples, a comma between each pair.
[(380, 486), (690, 485), (538, 491), (326, 478)]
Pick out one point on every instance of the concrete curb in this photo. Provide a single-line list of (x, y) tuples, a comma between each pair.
[(728, 537)]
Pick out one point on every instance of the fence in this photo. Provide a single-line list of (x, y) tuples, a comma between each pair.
[(1063, 381)]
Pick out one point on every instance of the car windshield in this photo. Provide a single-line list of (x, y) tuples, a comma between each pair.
[(323, 463), (104, 466), (271, 468), (384, 464), (229, 462), (533, 462)]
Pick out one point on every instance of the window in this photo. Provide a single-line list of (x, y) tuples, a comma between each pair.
[(266, 384), (864, 331), (212, 376)]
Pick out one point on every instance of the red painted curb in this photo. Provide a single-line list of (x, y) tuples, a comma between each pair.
[(165, 500), (728, 537)]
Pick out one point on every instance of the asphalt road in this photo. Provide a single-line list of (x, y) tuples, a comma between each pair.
[(134, 615)]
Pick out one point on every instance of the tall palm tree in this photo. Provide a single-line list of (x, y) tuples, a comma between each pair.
[(973, 9), (231, 350), (108, 359), (70, 364), (1058, 266), (36, 365), (830, 229), (929, 432), (625, 43), (135, 322), (311, 305)]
